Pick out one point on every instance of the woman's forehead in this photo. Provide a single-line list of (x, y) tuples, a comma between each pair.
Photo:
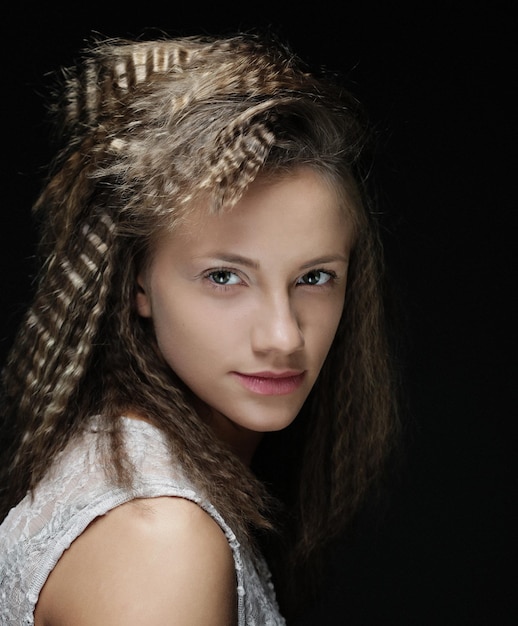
[(300, 210)]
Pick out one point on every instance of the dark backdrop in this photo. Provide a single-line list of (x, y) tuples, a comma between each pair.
[(440, 85)]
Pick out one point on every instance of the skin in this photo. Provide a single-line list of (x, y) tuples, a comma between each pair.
[(237, 300), (256, 289), (151, 561)]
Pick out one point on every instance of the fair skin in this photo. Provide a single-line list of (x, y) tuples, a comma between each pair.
[(151, 561), (245, 305)]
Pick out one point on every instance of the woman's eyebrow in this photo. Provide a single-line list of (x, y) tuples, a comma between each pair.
[(247, 262), (330, 258), (234, 258)]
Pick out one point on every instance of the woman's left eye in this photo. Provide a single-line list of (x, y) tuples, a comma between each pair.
[(315, 277), (223, 277)]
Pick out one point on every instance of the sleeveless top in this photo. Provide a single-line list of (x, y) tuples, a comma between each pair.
[(76, 490)]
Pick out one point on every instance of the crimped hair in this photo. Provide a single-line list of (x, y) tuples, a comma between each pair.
[(147, 128)]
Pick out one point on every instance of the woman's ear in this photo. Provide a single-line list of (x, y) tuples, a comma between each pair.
[(142, 301)]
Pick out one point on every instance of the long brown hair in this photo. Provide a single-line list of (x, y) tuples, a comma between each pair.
[(146, 127)]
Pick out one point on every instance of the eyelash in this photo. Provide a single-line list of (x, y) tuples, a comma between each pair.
[(222, 270), (329, 273), (223, 287)]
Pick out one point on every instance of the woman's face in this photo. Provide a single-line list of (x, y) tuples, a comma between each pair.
[(245, 304)]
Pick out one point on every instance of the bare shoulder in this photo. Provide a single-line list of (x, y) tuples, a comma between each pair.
[(153, 561)]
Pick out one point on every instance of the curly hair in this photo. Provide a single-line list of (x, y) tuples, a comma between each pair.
[(145, 128)]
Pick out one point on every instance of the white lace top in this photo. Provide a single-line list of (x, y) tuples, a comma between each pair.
[(37, 531)]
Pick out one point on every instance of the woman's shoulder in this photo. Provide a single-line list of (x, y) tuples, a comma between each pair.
[(144, 561), (77, 494), (162, 521)]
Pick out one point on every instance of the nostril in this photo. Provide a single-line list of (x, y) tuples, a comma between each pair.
[(278, 331)]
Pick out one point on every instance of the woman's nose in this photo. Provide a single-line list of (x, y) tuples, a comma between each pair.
[(276, 327)]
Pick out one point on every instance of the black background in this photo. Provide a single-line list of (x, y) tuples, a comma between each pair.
[(440, 83)]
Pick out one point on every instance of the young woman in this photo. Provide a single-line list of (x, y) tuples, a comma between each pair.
[(203, 377)]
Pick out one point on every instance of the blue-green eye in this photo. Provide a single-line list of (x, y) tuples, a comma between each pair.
[(315, 277), (223, 277)]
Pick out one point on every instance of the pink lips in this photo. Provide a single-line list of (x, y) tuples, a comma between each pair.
[(271, 383)]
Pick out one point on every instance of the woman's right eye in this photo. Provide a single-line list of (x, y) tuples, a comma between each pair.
[(223, 277)]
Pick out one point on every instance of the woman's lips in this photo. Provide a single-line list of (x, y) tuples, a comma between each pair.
[(271, 383)]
